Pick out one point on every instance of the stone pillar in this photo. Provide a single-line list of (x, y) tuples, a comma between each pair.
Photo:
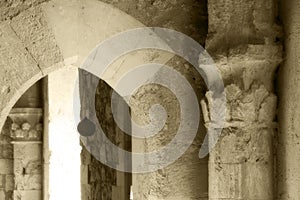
[(187, 177), (243, 40), (289, 107), (26, 132), (241, 163), (6, 162)]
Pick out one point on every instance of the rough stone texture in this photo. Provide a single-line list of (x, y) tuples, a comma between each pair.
[(186, 172), (189, 17), (13, 55), (288, 114), (28, 43), (156, 185), (6, 163), (244, 39), (12, 8), (31, 27), (241, 163), (187, 177), (20, 163), (186, 16), (234, 23), (30, 31), (100, 181), (27, 164)]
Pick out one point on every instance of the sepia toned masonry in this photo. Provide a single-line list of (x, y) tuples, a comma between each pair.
[(254, 45)]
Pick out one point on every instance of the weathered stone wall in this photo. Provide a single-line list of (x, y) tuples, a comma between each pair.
[(288, 114), (34, 39), (189, 17), (241, 163), (6, 163), (186, 16), (21, 149), (244, 39), (184, 175), (186, 178), (98, 180)]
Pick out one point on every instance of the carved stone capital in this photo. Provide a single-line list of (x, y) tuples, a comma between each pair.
[(26, 124)]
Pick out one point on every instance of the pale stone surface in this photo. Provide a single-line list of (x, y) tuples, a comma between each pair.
[(21, 151), (288, 110), (243, 38), (10, 9), (186, 178), (244, 145), (31, 27), (84, 174), (13, 56), (2, 194), (241, 163), (64, 141), (2, 181), (9, 185), (245, 29), (232, 23), (27, 195), (6, 166), (28, 182)]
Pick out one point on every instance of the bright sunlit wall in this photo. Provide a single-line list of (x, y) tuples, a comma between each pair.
[(64, 146)]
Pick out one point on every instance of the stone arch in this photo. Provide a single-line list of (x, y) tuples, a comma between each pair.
[(53, 35), (61, 33)]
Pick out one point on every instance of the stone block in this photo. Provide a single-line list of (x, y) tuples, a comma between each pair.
[(7, 151), (243, 145), (85, 157), (4, 139), (2, 194), (28, 151), (27, 166), (9, 182), (225, 181), (191, 177), (226, 17), (84, 172), (85, 191), (13, 55), (257, 181), (28, 194), (28, 182), (2, 181), (36, 36), (240, 181), (6, 166)]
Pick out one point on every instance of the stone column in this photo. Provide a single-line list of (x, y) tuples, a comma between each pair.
[(26, 132), (187, 177), (241, 163), (289, 107), (243, 40)]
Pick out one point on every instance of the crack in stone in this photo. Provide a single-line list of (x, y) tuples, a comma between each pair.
[(27, 50)]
